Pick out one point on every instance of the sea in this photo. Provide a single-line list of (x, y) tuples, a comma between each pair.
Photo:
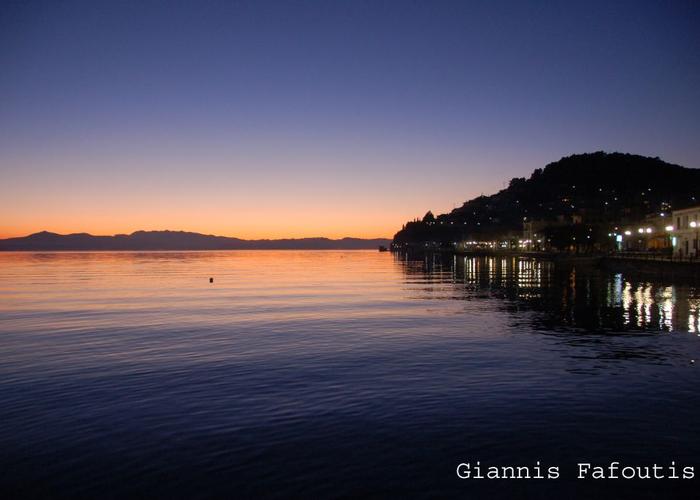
[(341, 374)]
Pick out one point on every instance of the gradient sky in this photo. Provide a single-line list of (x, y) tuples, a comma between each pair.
[(292, 119)]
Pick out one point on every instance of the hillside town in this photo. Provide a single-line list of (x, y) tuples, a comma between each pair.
[(674, 233), (596, 203)]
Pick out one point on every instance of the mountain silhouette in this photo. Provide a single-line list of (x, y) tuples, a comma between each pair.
[(176, 240)]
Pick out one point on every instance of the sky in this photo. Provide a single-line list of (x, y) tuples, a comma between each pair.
[(296, 118)]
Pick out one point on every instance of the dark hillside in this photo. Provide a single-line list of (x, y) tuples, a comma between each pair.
[(599, 188)]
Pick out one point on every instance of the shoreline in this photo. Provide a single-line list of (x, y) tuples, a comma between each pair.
[(652, 265)]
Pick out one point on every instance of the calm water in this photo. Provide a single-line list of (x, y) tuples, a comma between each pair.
[(337, 374)]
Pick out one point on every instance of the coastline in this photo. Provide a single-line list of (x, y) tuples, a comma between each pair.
[(650, 265)]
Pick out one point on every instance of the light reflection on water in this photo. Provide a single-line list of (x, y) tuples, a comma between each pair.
[(332, 373), (593, 299)]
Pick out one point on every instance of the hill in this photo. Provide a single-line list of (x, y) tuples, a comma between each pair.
[(598, 189), (176, 240)]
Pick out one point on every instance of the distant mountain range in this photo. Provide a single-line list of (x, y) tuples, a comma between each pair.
[(177, 240)]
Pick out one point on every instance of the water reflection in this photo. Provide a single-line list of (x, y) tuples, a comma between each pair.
[(332, 373), (565, 295)]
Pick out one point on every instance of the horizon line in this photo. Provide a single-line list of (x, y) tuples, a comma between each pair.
[(195, 232)]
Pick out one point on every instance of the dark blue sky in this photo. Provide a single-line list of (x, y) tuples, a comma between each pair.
[(348, 116)]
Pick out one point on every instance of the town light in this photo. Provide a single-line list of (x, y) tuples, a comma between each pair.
[(640, 230), (669, 228), (648, 230), (693, 224), (628, 233)]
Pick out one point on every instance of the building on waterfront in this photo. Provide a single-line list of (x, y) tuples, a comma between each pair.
[(652, 234), (686, 226)]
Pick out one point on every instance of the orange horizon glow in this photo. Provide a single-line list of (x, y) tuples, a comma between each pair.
[(278, 216), (271, 223), (380, 217), (346, 202), (252, 193)]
